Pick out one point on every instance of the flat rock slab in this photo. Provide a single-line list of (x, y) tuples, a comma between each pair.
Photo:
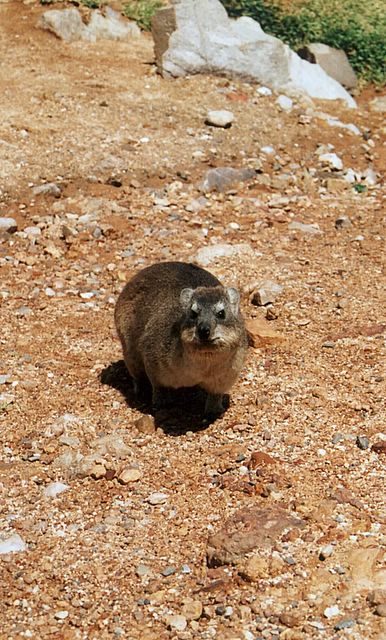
[(196, 36), (247, 530)]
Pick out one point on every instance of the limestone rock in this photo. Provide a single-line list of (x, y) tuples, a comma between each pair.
[(196, 36), (209, 254), (222, 119), (224, 178), (8, 225), (334, 62), (260, 333), (67, 24)]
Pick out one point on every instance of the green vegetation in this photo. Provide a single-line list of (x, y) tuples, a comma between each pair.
[(142, 11), (357, 27)]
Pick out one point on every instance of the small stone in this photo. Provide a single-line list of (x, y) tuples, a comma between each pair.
[(220, 610), (54, 489), (328, 344), (331, 612), (145, 424), (32, 232), (142, 570), (221, 118), (337, 437), (264, 91), (381, 610), (311, 229), (331, 160), (129, 475), (192, 610), (346, 623), (97, 471), (176, 622), (326, 551), (255, 569), (157, 498), (378, 596), (266, 293), (49, 188), (363, 442), (290, 619), (211, 253), (168, 571), (379, 447), (12, 544), (61, 615), (285, 103), (8, 225), (5, 378)]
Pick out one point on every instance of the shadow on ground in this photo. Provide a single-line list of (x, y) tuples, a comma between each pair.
[(184, 410)]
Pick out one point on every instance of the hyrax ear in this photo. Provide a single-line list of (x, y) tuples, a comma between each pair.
[(234, 299), (186, 297)]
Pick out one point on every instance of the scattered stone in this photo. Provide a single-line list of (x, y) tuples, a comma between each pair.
[(145, 424), (285, 103), (336, 185), (196, 36), (249, 529), (378, 104), (379, 447), (222, 119), (290, 619), (332, 161), (266, 293), (381, 610), (223, 178), (194, 206), (363, 442), (68, 25), (8, 225), (346, 623), (256, 568), (49, 188), (192, 610), (54, 489), (211, 253), (334, 62), (264, 91), (12, 544), (343, 222), (61, 615), (168, 571), (157, 498), (261, 334), (129, 475), (311, 229), (326, 551), (331, 612), (5, 378), (142, 570), (97, 471), (176, 622), (377, 596)]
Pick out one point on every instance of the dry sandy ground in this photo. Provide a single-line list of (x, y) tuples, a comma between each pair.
[(267, 523)]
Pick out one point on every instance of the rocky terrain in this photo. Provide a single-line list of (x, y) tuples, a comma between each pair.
[(269, 522)]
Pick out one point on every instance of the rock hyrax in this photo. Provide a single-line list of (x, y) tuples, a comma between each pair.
[(179, 327)]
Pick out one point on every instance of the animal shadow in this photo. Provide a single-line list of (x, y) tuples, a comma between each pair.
[(183, 410)]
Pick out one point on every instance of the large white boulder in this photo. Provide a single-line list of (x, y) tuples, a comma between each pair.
[(197, 36)]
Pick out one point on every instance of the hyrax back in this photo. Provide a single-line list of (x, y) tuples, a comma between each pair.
[(179, 327)]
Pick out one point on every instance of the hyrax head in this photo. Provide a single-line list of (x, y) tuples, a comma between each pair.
[(211, 318)]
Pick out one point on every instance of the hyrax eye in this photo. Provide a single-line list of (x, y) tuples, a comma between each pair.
[(193, 314), (220, 314)]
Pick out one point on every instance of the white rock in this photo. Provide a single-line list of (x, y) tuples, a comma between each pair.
[(12, 544), (176, 622), (8, 224), (112, 26), (334, 122), (223, 178), (209, 254), (331, 612), (61, 615), (54, 489), (157, 498), (312, 229), (32, 232), (285, 103), (207, 41), (331, 160), (264, 91), (222, 118), (50, 188), (267, 150), (68, 25)]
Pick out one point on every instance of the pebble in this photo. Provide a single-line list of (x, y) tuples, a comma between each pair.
[(264, 91), (363, 442), (326, 551), (61, 615), (285, 103), (337, 437), (266, 293), (8, 225), (157, 498), (54, 489), (129, 475), (209, 254), (50, 188), (176, 622), (5, 378), (142, 570), (192, 610), (145, 424), (221, 118), (97, 471), (168, 571), (331, 160), (32, 232), (379, 447), (328, 344), (343, 222), (347, 623), (312, 229), (378, 596), (381, 610), (331, 612), (12, 544)]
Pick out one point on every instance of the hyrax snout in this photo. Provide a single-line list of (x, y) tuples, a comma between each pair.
[(179, 327)]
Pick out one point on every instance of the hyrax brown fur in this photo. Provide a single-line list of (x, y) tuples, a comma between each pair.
[(179, 327)]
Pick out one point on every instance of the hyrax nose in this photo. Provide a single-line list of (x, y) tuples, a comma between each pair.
[(203, 330)]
